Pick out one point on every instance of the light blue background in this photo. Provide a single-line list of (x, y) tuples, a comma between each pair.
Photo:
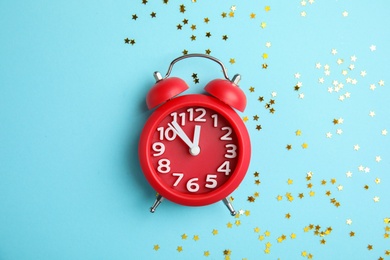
[(72, 108)]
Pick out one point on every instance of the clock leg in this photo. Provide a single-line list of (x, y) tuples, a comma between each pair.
[(229, 206), (157, 202)]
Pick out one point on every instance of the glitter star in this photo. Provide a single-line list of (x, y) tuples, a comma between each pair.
[(182, 8), (356, 147), (196, 237), (184, 236), (267, 8), (251, 199), (206, 20), (232, 61), (208, 34), (289, 147), (179, 249), (153, 15), (252, 15), (263, 25), (134, 17), (376, 199), (373, 47), (214, 232), (225, 37), (156, 247), (305, 145)]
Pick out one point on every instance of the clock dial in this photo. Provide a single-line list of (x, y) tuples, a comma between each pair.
[(194, 150)]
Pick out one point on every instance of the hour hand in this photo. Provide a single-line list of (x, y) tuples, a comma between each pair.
[(179, 131), (194, 146)]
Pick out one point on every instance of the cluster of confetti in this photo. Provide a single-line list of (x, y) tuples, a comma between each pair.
[(334, 76)]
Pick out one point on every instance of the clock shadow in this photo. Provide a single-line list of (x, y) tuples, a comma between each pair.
[(138, 116)]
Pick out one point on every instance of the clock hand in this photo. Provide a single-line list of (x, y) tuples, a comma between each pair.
[(195, 149), (179, 131)]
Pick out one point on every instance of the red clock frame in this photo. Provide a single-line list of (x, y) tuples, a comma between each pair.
[(198, 100)]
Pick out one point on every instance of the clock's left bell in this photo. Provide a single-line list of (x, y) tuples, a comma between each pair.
[(164, 89)]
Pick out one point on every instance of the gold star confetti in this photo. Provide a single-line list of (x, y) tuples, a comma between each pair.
[(182, 9), (206, 253), (179, 249), (245, 119), (232, 61), (252, 15), (184, 236), (214, 232), (229, 225), (206, 20), (156, 247), (263, 25), (267, 8), (305, 145)]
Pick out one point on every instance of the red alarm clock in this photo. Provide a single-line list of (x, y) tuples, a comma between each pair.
[(194, 149)]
